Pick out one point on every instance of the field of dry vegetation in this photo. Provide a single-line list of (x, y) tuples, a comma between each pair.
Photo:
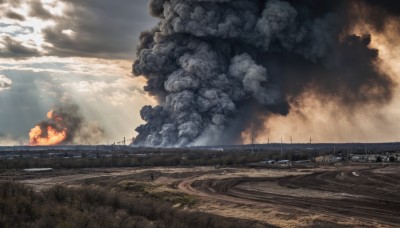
[(342, 195)]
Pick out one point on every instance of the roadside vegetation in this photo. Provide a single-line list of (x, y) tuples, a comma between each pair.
[(60, 206)]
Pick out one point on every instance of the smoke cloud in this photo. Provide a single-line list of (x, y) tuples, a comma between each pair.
[(68, 120), (8, 140), (216, 66)]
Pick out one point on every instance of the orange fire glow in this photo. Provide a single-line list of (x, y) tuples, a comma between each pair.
[(50, 114), (51, 137)]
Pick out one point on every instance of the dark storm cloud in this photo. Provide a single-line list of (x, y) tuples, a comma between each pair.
[(97, 28), (14, 3), (219, 63), (7, 12), (37, 10), (13, 15), (14, 49), (93, 28), (391, 6)]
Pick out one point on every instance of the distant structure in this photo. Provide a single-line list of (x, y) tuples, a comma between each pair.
[(37, 170), (326, 159)]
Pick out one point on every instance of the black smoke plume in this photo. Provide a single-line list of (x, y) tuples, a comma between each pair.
[(215, 66), (68, 117)]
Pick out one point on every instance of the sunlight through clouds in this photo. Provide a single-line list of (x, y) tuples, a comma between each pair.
[(66, 50)]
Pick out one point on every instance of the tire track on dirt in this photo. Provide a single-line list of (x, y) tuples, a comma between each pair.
[(366, 195)]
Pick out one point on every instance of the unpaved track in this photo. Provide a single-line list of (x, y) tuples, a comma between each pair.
[(43, 183), (360, 195), (370, 195), (40, 181)]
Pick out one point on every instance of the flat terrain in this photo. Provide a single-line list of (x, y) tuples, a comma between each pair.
[(309, 196)]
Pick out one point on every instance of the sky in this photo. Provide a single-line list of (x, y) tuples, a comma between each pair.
[(57, 51), (323, 120), (54, 52)]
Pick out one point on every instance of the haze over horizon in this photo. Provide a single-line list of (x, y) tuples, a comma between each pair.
[(71, 53)]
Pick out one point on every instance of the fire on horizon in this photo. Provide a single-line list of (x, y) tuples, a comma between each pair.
[(52, 134)]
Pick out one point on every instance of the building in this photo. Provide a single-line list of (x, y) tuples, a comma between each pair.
[(326, 159)]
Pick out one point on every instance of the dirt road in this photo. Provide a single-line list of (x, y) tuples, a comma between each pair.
[(366, 194), (320, 196)]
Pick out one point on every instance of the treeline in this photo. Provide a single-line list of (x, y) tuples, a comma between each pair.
[(59, 206), (159, 159)]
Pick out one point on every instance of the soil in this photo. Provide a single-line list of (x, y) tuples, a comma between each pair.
[(316, 196)]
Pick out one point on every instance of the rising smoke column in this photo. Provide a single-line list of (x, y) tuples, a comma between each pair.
[(215, 65), (65, 124)]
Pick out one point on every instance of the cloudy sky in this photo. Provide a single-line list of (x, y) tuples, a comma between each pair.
[(53, 51), (72, 51)]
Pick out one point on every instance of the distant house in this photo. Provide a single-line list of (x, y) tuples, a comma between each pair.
[(326, 159)]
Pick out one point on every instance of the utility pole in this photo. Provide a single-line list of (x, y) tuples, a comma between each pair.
[(124, 142), (281, 146), (334, 150), (310, 140), (252, 144)]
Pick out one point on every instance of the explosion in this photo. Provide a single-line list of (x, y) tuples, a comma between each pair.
[(64, 125), (52, 132), (53, 137), (218, 68)]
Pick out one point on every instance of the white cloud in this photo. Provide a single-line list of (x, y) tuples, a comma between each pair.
[(54, 25), (81, 66), (69, 33), (15, 29), (120, 91), (5, 83)]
